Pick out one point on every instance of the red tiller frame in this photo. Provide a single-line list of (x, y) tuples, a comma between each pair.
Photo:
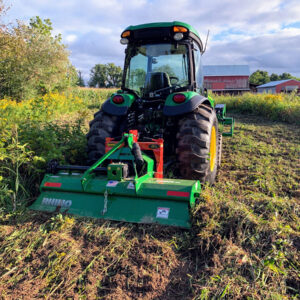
[(156, 146)]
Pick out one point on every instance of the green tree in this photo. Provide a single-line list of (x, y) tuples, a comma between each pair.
[(80, 80), (285, 75), (32, 61), (105, 75), (98, 76), (274, 77), (259, 77), (114, 75)]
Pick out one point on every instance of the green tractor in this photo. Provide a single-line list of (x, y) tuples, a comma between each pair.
[(162, 96), (152, 142)]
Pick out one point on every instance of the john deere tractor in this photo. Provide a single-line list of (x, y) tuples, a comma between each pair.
[(152, 142), (162, 96)]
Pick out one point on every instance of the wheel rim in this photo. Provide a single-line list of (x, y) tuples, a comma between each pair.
[(213, 148)]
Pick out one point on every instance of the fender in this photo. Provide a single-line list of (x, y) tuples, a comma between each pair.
[(193, 100), (118, 109)]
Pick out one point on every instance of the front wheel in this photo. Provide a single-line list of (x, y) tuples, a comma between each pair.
[(198, 145)]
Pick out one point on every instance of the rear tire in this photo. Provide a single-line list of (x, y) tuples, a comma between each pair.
[(198, 145), (103, 126)]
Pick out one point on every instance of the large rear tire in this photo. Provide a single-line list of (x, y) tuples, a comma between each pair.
[(198, 145), (103, 126)]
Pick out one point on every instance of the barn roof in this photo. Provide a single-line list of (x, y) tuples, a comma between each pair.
[(226, 70), (273, 83)]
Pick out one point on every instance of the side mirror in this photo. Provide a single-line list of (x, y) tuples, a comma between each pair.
[(174, 80)]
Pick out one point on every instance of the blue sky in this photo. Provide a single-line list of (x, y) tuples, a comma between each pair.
[(262, 33)]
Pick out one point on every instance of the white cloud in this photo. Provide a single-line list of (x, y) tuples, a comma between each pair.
[(70, 38)]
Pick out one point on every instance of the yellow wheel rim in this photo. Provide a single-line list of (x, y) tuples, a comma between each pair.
[(213, 148)]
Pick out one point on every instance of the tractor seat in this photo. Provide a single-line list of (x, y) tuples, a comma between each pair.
[(156, 81)]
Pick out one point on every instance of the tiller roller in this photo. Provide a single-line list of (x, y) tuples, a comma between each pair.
[(125, 184)]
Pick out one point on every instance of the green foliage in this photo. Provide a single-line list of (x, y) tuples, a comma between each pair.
[(42, 27), (274, 77), (17, 170), (285, 76), (24, 153), (80, 81), (280, 107), (105, 75), (98, 76), (259, 77), (114, 75), (34, 131), (33, 62)]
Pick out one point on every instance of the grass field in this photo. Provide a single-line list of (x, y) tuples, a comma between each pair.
[(244, 243)]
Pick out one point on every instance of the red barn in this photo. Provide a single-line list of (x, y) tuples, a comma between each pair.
[(275, 87), (232, 79)]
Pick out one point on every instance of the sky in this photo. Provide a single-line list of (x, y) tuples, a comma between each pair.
[(265, 34)]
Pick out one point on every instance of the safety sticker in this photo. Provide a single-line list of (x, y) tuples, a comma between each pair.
[(112, 183), (130, 185), (163, 212)]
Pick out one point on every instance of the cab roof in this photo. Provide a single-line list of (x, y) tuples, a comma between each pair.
[(164, 24)]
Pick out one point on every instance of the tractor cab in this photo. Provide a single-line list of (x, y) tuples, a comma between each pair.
[(161, 58)]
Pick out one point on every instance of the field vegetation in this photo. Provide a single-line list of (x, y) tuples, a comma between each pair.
[(245, 239), (276, 107)]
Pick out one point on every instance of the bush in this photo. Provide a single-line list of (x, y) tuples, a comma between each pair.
[(33, 62)]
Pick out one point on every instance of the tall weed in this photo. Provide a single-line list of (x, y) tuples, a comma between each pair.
[(18, 172)]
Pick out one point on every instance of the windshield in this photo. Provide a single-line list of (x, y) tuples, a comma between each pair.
[(156, 67)]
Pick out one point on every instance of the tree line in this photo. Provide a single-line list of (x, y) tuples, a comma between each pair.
[(261, 77)]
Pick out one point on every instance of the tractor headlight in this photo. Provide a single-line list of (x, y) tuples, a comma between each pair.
[(125, 37), (178, 36), (124, 41)]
